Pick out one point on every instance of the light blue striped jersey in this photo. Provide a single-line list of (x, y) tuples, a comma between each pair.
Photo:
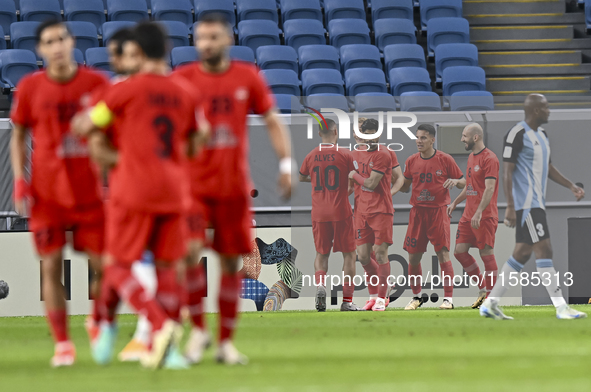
[(530, 151)]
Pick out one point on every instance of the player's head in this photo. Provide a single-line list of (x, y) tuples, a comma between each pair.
[(151, 40), (361, 120), (536, 109), (425, 137), (115, 49), (472, 135), (370, 127), (330, 133), (213, 37), (55, 43)]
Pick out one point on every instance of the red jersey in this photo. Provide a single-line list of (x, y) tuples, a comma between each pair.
[(378, 200), (61, 171), (329, 169), (221, 169), (481, 166), (395, 163), (155, 116), (428, 176)]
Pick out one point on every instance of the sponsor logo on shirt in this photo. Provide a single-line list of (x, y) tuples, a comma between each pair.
[(425, 196), (241, 94), (72, 147), (470, 190), (439, 173), (222, 138), (476, 168)]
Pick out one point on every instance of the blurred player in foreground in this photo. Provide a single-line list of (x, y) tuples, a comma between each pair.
[(432, 173), (374, 212), (220, 177), (327, 168), (478, 225), (526, 169), (148, 193), (64, 187)]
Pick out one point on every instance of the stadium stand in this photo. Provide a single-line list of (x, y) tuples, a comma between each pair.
[(178, 32), (446, 31), (7, 14), (322, 100), (98, 58), (173, 10), (15, 64), (463, 78), (409, 79), (365, 80), (322, 81), (257, 10), (277, 57), (92, 11), (39, 10), (226, 7), (420, 101), (431, 9), (300, 32), (127, 10), (394, 31), (318, 56), (183, 55), (472, 100), (243, 53), (287, 105), (22, 35), (282, 81), (452, 55), (85, 33), (255, 33), (348, 31), (386, 9), (344, 9), (404, 55), (374, 102), (360, 56), (110, 28), (300, 9)]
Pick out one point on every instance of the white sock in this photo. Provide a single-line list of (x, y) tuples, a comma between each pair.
[(145, 272), (143, 330), (546, 266), (500, 289), (449, 299)]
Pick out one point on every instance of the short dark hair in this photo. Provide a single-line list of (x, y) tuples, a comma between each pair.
[(120, 37), (430, 129), (152, 39), (330, 125), (47, 24), (216, 18), (370, 123)]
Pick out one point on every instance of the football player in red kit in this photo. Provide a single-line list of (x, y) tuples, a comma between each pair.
[(480, 219), (220, 176), (64, 187), (432, 173)]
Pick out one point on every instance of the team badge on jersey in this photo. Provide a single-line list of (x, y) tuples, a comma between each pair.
[(476, 168), (241, 94), (439, 173), (371, 164)]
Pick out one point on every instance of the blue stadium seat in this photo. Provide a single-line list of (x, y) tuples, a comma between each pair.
[(322, 81), (374, 102), (98, 58), (85, 33), (463, 78), (439, 9), (453, 55), (7, 14), (287, 104), (22, 35), (360, 56), (174, 10), (404, 55), (110, 28), (242, 53), (16, 63), (420, 101), (257, 10), (344, 9), (300, 9), (127, 10), (472, 100), (78, 57), (588, 13), (255, 33), (2, 41), (347, 32), (226, 7), (365, 80), (183, 55), (299, 32), (282, 81), (409, 79), (394, 31), (447, 31), (39, 10), (398, 9), (277, 57), (92, 11), (318, 56), (319, 101), (178, 32)]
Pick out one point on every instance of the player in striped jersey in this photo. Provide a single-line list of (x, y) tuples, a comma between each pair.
[(527, 167)]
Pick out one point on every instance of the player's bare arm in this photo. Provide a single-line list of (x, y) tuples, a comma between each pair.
[(489, 190), (397, 180), (82, 125), (461, 197), (18, 157), (458, 183), (200, 137), (280, 140), (371, 182), (560, 179), (406, 185), (510, 214), (304, 178), (101, 151)]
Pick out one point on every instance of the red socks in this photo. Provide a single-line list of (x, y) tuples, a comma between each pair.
[(196, 285), (470, 266), (168, 292), (58, 323), (447, 275), (228, 304), (320, 278), (415, 277), (348, 289), (371, 269), (383, 273), (490, 271)]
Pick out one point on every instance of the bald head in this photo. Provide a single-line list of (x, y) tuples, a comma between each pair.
[(536, 110), (473, 137), (474, 129)]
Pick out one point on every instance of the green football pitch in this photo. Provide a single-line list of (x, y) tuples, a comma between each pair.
[(424, 350)]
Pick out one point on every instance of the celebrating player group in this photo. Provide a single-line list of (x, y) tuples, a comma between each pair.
[(376, 177), (137, 169)]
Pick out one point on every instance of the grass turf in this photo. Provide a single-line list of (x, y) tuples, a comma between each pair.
[(424, 350)]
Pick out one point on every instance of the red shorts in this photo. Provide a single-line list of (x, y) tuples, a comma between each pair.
[(49, 223), (337, 236), (376, 228), (424, 225), (230, 219), (130, 233), (477, 237)]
